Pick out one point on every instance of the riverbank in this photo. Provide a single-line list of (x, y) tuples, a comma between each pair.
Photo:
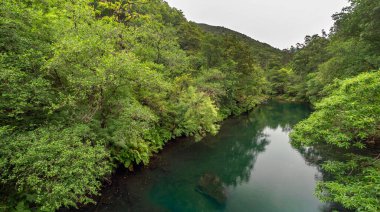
[(251, 157)]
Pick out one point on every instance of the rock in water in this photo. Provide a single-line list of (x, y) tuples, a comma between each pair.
[(211, 186)]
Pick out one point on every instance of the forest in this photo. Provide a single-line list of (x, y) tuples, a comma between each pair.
[(87, 86)]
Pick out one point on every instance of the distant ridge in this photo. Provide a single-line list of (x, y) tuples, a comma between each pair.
[(264, 52), (224, 30)]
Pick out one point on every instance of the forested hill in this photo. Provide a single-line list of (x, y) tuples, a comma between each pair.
[(268, 56), (90, 85), (229, 32), (339, 73)]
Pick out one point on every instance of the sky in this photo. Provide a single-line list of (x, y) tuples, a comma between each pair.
[(280, 23)]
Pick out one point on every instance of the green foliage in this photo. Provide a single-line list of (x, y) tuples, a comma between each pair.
[(88, 85), (280, 80), (351, 48), (208, 81), (305, 63), (131, 134), (245, 82), (54, 166), (24, 105), (347, 117), (356, 183), (197, 113), (264, 55), (332, 72), (24, 42)]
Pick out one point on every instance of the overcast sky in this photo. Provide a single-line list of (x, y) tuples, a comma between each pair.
[(281, 23)]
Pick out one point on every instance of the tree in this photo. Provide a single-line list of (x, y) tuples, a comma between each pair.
[(89, 85), (280, 80), (53, 166), (349, 118)]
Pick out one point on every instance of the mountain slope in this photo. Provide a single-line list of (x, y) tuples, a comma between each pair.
[(268, 56)]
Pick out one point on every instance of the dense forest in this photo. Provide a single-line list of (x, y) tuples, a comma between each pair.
[(339, 74), (90, 85)]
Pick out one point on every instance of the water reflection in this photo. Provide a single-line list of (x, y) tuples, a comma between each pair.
[(229, 157), (315, 156), (248, 166)]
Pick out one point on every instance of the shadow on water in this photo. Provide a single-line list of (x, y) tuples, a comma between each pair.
[(219, 173)]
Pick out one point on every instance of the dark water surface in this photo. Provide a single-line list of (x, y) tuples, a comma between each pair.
[(250, 163)]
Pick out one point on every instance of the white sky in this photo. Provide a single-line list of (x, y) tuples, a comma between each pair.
[(281, 23)]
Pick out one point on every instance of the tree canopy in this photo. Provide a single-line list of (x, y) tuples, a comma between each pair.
[(339, 74), (88, 85)]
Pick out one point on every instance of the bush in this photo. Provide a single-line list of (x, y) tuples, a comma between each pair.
[(53, 166), (349, 118)]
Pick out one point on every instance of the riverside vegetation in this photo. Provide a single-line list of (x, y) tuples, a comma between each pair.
[(89, 85), (340, 75)]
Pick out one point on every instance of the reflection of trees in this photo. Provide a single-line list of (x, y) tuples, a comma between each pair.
[(245, 139), (238, 158), (230, 156), (316, 156), (281, 114)]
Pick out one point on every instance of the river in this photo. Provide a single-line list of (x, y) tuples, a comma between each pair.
[(249, 166)]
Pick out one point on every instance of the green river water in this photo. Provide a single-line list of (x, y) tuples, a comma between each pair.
[(250, 163)]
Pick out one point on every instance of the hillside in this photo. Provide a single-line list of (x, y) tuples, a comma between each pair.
[(101, 84), (267, 55), (87, 86)]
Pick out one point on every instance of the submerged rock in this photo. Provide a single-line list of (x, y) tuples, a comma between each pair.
[(212, 187)]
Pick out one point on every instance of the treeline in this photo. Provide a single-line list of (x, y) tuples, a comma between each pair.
[(88, 85), (352, 47), (339, 74), (268, 57)]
